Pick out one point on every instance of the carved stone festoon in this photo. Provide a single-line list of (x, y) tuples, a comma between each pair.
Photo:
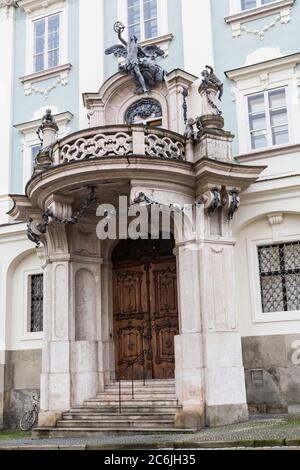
[(111, 159)]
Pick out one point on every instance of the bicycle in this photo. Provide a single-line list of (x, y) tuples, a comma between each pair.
[(30, 417)]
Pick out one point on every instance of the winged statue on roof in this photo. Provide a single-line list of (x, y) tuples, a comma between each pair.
[(140, 61)]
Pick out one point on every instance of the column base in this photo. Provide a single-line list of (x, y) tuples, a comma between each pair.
[(48, 419), (221, 415), (190, 420)]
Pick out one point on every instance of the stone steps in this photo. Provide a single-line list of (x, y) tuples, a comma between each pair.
[(135, 402), (152, 411), (116, 417), (120, 424), (125, 409)]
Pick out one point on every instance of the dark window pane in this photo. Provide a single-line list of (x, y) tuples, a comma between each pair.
[(258, 140), (247, 4), (36, 303), (39, 62), (53, 23), (53, 58), (151, 29), (257, 122), (150, 9), (132, 3), (39, 27), (135, 30), (278, 117), (53, 41), (256, 103), (34, 152), (134, 15), (280, 135), (277, 99)]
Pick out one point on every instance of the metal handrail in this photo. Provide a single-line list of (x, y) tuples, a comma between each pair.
[(132, 381)]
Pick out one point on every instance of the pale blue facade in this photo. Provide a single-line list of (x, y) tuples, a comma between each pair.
[(65, 98), (231, 53)]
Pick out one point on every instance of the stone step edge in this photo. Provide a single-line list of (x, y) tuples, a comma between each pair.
[(246, 443), (112, 429), (117, 421)]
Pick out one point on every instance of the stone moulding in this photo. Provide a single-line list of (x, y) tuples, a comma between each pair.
[(61, 73), (30, 6), (281, 8)]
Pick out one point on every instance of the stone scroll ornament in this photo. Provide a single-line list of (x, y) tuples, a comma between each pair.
[(140, 61)]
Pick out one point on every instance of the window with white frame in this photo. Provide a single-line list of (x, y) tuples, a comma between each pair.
[(46, 42), (35, 303), (142, 18), (268, 119), (249, 4), (279, 267)]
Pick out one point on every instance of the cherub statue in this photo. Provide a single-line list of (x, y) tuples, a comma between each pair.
[(140, 61), (210, 78)]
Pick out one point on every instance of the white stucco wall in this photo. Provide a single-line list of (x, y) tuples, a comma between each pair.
[(17, 258)]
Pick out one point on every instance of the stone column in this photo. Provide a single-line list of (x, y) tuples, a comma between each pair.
[(177, 81), (225, 393), (106, 344), (189, 359)]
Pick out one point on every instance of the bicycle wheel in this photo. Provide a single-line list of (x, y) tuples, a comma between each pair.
[(28, 419)]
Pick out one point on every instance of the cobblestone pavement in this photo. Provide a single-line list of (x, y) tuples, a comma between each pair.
[(261, 428)]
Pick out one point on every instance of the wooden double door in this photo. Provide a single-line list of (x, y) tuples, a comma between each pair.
[(145, 317)]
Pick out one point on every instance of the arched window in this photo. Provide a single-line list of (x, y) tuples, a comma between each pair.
[(146, 111)]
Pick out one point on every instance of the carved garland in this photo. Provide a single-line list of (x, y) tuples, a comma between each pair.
[(260, 33)]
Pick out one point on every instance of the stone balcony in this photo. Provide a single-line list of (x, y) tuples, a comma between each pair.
[(119, 141)]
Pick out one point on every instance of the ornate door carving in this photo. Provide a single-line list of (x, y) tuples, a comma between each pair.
[(130, 314), (146, 317), (164, 317)]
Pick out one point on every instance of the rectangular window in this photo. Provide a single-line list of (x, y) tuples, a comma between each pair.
[(142, 19), (36, 297), (46, 42), (248, 4), (279, 267), (268, 119)]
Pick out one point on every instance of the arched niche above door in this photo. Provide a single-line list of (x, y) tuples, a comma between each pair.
[(109, 106)]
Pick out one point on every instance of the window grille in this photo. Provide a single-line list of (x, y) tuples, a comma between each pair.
[(279, 267), (36, 302)]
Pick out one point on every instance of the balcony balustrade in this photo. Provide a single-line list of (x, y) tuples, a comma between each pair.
[(120, 141)]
